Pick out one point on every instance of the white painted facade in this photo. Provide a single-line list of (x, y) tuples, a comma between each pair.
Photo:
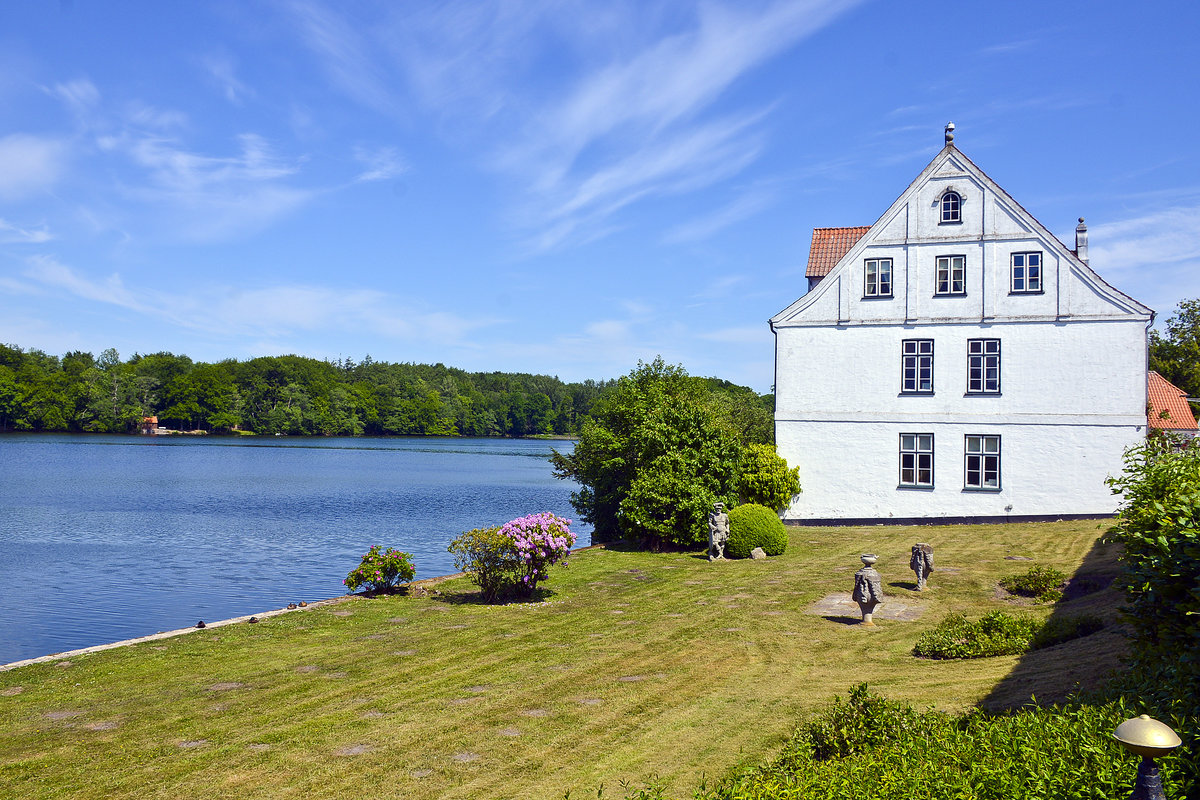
[(1072, 368)]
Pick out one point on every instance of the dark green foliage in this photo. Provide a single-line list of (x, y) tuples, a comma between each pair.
[(1043, 583), (870, 747), (999, 634), (289, 395), (752, 526), (763, 477), (490, 559), (995, 634), (659, 448), (1159, 527), (1176, 356)]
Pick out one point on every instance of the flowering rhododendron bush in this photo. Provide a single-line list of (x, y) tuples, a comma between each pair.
[(380, 571), (511, 560)]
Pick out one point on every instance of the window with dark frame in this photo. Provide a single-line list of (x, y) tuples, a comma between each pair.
[(951, 275), (982, 463), (916, 460), (916, 366), (1027, 273), (983, 366), (878, 281), (951, 207)]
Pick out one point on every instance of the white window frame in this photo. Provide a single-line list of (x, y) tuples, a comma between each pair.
[(981, 464), (916, 364), (1026, 277), (916, 460), (983, 366), (877, 277), (951, 276), (951, 208)]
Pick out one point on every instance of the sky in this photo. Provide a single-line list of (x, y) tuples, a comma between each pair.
[(549, 186)]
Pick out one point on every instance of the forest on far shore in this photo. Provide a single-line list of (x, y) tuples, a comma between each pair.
[(292, 395)]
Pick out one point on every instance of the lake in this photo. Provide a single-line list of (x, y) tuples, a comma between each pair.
[(105, 538)]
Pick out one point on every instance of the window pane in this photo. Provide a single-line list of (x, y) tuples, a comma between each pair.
[(907, 441)]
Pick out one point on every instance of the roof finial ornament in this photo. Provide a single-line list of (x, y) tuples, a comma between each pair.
[(949, 133)]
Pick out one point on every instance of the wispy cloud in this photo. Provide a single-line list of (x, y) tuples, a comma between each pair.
[(269, 312), (1154, 258), (350, 59), (205, 197), (589, 108), (741, 207), (1004, 48), (221, 68), (30, 164), (13, 234), (381, 164)]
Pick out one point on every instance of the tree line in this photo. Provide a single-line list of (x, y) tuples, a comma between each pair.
[(291, 395)]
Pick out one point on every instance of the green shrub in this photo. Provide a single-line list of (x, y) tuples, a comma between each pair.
[(762, 477), (489, 558), (995, 634), (752, 526), (510, 561), (380, 571), (871, 747), (1043, 583), (999, 634)]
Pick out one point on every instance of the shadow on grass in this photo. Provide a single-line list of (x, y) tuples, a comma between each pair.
[(1052, 674), (843, 620), (477, 599), (908, 585)]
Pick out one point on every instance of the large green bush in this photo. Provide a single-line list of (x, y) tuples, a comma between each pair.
[(660, 447), (871, 747), (751, 526), (1159, 527), (763, 477)]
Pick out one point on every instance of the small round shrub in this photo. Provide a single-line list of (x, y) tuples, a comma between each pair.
[(752, 526), (381, 571), (1043, 583)]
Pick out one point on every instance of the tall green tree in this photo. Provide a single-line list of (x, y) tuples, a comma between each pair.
[(657, 450), (1176, 354)]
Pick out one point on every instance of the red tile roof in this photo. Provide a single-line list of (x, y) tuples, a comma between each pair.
[(1168, 405), (828, 247)]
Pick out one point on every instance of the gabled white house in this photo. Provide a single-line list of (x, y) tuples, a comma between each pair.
[(956, 361)]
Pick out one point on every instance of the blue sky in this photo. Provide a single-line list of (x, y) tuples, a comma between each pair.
[(549, 186)]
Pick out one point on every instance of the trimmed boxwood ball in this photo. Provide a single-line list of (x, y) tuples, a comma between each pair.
[(751, 526)]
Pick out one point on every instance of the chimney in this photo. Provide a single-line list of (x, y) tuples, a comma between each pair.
[(1081, 241)]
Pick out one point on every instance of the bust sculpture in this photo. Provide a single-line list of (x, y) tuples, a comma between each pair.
[(868, 588), (921, 563), (718, 531)]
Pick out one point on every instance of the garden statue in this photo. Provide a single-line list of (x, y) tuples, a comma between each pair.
[(868, 589), (921, 563), (718, 531)]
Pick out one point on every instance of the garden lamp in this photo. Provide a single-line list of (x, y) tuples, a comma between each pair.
[(1147, 738)]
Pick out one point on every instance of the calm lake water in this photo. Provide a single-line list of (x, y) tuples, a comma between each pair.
[(105, 538)]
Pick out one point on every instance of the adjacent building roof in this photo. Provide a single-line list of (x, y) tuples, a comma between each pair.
[(1168, 407), (828, 247)]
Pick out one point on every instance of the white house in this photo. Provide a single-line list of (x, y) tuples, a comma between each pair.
[(956, 361)]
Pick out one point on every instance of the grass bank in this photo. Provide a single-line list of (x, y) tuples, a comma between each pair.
[(635, 664)]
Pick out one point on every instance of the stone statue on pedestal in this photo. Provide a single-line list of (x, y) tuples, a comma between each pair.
[(718, 531), (868, 588), (921, 563)]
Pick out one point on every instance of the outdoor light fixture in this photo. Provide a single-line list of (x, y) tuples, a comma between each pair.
[(1147, 738)]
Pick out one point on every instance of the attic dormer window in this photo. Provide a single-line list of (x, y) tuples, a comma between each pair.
[(951, 207)]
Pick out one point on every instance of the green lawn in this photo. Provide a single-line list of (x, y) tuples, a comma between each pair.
[(635, 664)]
